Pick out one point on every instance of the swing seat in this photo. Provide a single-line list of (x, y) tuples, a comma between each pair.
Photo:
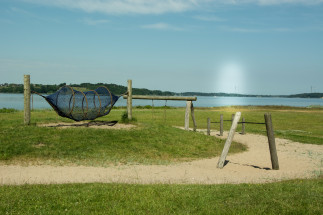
[(77, 105)]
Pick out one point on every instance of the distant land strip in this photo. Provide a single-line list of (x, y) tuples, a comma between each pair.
[(118, 90)]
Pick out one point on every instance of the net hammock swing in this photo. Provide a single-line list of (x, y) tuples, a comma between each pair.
[(78, 106)]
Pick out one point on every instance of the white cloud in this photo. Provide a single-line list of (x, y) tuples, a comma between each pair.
[(156, 6), (121, 6), (89, 21), (162, 26)]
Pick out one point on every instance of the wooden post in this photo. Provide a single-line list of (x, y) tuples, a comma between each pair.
[(243, 126), (221, 125), (26, 99), (129, 100), (229, 140), (271, 142), (193, 116), (208, 130), (187, 115)]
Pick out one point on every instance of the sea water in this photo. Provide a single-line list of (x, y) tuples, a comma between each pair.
[(16, 101)]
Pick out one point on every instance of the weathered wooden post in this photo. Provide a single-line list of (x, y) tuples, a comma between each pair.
[(221, 125), (208, 130), (229, 140), (193, 116), (271, 142), (243, 126), (26, 99), (129, 100), (187, 115)]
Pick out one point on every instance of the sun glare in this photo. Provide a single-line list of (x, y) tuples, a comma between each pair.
[(230, 78)]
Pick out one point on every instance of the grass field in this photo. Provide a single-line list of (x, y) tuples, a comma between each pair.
[(150, 143), (154, 141), (289, 197)]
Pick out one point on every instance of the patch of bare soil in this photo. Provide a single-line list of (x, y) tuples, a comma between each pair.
[(296, 160), (95, 124)]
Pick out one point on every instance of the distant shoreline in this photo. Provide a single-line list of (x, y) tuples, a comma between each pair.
[(118, 90)]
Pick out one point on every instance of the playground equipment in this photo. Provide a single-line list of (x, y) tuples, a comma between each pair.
[(73, 104), (235, 122), (189, 104)]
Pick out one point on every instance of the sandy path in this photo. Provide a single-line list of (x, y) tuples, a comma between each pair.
[(296, 161)]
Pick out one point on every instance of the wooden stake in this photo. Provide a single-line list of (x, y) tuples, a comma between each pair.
[(271, 142), (208, 131), (26, 99), (193, 116), (129, 100), (187, 115), (229, 140), (221, 125)]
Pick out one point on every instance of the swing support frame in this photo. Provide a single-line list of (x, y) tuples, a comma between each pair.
[(189, 103)]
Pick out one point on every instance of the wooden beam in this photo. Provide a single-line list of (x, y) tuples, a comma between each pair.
[(179, 98), (229, 140)]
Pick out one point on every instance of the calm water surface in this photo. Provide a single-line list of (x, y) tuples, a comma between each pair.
[(16, 101)]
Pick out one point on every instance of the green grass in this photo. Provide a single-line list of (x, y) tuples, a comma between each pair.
[(154, 141), (149, 143), (303, 125), (289, 197)]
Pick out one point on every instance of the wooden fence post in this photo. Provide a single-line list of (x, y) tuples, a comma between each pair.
[(129, 100), (271, 142), (193, 116), (208, 130), (229, 140), (187, 115), (221, 125), (26, 99), (243, 126)]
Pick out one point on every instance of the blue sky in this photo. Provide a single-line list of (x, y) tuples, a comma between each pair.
[(246, 46)]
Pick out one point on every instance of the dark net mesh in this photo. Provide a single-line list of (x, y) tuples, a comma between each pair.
[(79, 106)]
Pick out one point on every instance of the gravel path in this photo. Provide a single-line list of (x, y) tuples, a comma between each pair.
[(253, 166)]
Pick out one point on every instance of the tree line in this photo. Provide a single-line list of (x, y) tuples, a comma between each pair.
[(119, 90), (51, 88)]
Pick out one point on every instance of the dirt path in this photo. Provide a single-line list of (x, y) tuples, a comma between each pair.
[(253, 166)]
